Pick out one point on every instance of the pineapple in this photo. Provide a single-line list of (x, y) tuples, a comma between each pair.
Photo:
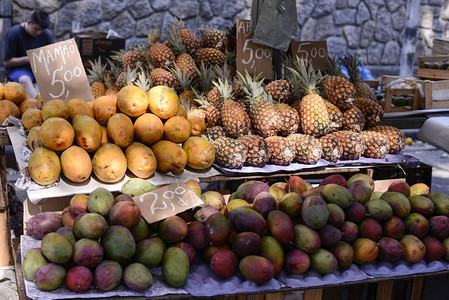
[(214, 38), (210, 56), (290, 122), (352, 143), (161, 76), (281, 90), (308, 148), (213, 96), (189, 40), (264, 116), (282, 150), (185, 82), (377, 145), (161, 55), (363, 90), (213, 111), (133, 58), (312, 112), (337, 88), (394, 135), (335, 116), (353, 119), (185, 62), (258, 152), (97, 78), (229, 153), (215, 132), (234, 117), (372, 111), (126, 77), (331, 147)]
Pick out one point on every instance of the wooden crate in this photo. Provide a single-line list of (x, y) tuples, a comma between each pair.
[(433, 74), (436, 94), (440, 46), (389, 96)]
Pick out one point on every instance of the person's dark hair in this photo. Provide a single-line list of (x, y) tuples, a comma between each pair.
[(41, 18)]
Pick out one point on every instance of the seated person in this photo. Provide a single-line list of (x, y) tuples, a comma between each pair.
[(20, 38)]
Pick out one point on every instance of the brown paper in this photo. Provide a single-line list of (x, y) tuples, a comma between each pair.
[(254, 58), (59, 72), (166, 201), (315, 51)]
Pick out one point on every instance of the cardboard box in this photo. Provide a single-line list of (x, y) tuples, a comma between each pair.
[(92, 44)]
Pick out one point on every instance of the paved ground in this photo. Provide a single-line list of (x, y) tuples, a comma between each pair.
[(428, 154)]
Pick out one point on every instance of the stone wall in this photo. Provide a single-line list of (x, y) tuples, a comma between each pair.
[(372, 28)]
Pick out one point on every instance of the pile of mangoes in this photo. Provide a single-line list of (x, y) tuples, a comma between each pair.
[(260, 231)]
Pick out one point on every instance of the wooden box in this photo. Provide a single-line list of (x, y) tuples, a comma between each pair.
[(440, 46), (389, 93), (433, 73), (436, 94)]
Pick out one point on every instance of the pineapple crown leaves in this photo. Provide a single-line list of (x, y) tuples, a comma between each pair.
[(333, 67), (200, 100), (97, 70), (253, 87), (205, 75), (153, 37), (174, 39), (223, 72), (143, 81), (117, 55), (185, 80), (130, 75), (352, 64), (224, 89), (307, 77)]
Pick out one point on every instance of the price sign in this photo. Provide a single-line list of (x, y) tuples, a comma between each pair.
[(254, 58), (59, 71), (312, 51), (166, 201)]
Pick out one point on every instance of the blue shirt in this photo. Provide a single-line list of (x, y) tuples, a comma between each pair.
[(18, 41)]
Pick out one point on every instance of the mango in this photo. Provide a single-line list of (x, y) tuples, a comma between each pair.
[(141, 231), (263, 203), (349, 232), (365, 251), (118, 244), (306, 239), (323, 261), (422, 205), (234, 203), (277, 192), (89, 225), (355, 213), (100, 201), (137, 277), (49, 276), (87, 253), (394, 228), (68, 233), (439, 227), (296, 262), (298, 185), (378, 210), (224, 263), (217, 229), (316, 191), (400, 187), (175, 267), (336, 215), (247, 219), (257, 269), (196, 236), (272, 250), (88, 132), (246, 243), (361, 176), (205, 212), (434, 248), (445, 243), (370, 229), (78, 279), (150, 251), (414, 249), (44, 166), (417, 225), (78, 204), (56, 248), (336, 179), (213, 198), (67, 217), (125, 213), (399, 203), (441, 203), (314, 212), (419, 189), (210, 250), (188, 249), (343, 252), (280, 226), (291, 204), (334, 193), (32, 261), (329, 235), (173, 229), (361, 191), (108, 275), (250, 189), (137, 186), (390, 249)]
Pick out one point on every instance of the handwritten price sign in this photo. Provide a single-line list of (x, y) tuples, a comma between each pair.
[(312, 51), (167, 201), (59, 71), (252, 57)]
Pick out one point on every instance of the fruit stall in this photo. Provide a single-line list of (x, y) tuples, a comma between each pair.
[(184, 176)]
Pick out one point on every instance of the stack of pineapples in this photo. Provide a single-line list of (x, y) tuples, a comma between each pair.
[(302, 118)]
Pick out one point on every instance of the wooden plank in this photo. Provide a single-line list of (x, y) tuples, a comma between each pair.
[(334, 293), (356, 291), (274, 296), (314, 294), (418, 284), (5, 239), (384, 290)]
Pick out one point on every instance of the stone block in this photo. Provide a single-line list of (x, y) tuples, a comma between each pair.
[(337, 46), (142, 26), (325, 28), (375, 51), (112, 8), (206, 10), (324, 7), (139, 8), (398, 19), (367, 33), (159, 5), (345, 16), (5, 8), (232, 8), (49, 6), (91, 13), (352, 35), (362, 14), (308, 30), (304, 11), (184, 8), (124, 25), (391, 53)]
